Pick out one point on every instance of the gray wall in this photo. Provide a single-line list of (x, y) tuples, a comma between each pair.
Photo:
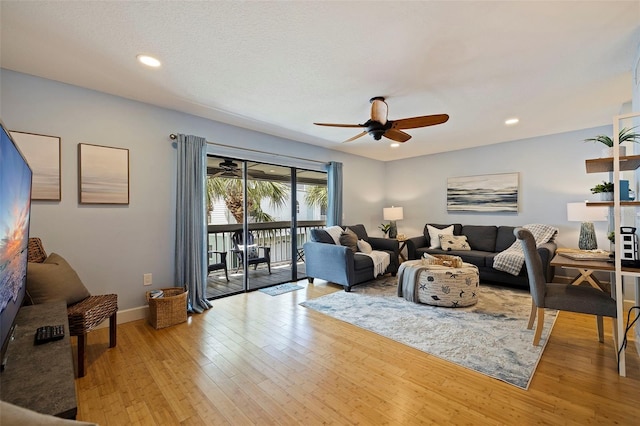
[(111, 247), (551, 174)]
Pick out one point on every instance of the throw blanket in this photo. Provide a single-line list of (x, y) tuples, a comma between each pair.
[(381, 260), (335, 232), (408, 274), (512, 259)]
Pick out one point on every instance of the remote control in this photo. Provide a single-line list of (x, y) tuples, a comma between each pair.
[(49, 333)]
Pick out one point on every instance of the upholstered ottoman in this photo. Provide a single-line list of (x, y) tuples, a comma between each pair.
[(439, 285)]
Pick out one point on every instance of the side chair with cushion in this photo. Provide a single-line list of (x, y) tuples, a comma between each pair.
[(563, 297), (51, 278), (255, 254)]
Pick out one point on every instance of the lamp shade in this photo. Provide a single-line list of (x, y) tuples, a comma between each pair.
[(580, 212), (392, 213)]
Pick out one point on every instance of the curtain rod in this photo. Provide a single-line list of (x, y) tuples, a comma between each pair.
[(173, 136)]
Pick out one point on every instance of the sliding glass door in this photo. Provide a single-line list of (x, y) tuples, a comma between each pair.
[(257, 224)]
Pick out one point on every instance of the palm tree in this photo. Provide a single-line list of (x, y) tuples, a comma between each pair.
[(317, 196), (230, 191)]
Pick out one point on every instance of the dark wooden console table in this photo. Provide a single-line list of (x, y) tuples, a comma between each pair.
[(40, 378)]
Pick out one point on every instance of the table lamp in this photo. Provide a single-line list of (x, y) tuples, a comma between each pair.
[(580, 212), (392, 214)]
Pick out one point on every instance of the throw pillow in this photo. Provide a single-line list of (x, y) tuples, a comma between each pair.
[(54, 279), (364, 246), (348, 238), (434, 235), (454, 242), (321, 236)]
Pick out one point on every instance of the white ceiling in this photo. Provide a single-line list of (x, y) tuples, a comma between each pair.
[(277, 67)]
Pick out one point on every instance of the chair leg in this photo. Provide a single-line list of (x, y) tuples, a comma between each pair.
[(226, 274), (113, 330), (269, 266), (539, 325), (532, 315), (82, 345), (614, 321), (600, 323)]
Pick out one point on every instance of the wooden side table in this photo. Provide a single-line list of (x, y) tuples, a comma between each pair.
[(403, 244)]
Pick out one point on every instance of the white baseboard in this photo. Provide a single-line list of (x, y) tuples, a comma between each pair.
[(128, 315)]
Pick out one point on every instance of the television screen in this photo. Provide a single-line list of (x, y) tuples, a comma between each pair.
[(15, 208)]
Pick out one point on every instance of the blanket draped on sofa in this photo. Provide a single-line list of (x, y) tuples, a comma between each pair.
[(512, 259)]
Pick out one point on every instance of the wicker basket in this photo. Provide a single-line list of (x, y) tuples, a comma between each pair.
[(168, 310)]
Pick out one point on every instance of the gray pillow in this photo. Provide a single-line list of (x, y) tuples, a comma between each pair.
[(348, 238), (52, 280)]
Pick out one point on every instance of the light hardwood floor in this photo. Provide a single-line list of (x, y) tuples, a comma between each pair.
[(258, 359)]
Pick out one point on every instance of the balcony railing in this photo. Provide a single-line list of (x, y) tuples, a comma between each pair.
[(276, 235)]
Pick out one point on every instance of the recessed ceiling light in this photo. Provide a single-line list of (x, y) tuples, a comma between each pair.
[(511, 121), (149, 61), (395, 145)]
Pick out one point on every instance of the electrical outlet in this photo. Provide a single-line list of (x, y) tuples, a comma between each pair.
[(147, 279)]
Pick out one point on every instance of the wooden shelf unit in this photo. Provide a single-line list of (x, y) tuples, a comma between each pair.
[(610, 203), (599, 165)]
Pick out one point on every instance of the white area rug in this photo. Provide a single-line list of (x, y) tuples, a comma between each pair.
[(490, 337)]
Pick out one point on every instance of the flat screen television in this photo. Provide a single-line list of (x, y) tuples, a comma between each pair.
[(15, 212)]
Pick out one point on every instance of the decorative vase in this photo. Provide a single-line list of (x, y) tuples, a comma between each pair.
[(608, 151)]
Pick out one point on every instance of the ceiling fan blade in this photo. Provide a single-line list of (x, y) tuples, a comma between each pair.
[(379, 110), (423, 121), (338, 125), (397, 135), (359, 135)]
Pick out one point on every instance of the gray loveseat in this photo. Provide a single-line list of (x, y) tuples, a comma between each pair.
[(339, 264), (485, 243)]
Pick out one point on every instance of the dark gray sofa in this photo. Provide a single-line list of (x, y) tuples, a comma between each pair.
[(485, 242), (339, 264)]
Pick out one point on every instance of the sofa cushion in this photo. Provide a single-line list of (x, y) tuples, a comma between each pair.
[(349, 239), (505, 238), (360, 231), (453, 242), (361, 262), (457, 228), (52, 280), (481, 238), (321, 236)]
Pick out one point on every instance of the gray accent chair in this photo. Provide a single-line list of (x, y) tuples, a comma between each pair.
[(564, 297)]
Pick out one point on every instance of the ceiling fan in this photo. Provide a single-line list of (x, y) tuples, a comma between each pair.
[(228, 169), (378, 125)]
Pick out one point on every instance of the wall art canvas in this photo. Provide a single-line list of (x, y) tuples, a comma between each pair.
[(103, 174), (42, 153), (483, 193)]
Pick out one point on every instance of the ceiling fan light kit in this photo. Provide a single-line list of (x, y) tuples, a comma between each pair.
[(379, 125)]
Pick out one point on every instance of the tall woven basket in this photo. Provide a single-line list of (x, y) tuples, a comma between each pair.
[(168, 310)]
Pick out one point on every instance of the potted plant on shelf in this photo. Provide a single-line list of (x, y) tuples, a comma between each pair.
[(605, 191), (625, 135)]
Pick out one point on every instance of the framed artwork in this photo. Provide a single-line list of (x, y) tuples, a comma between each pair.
[(42, 153), (483, 193), (103, 175)]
